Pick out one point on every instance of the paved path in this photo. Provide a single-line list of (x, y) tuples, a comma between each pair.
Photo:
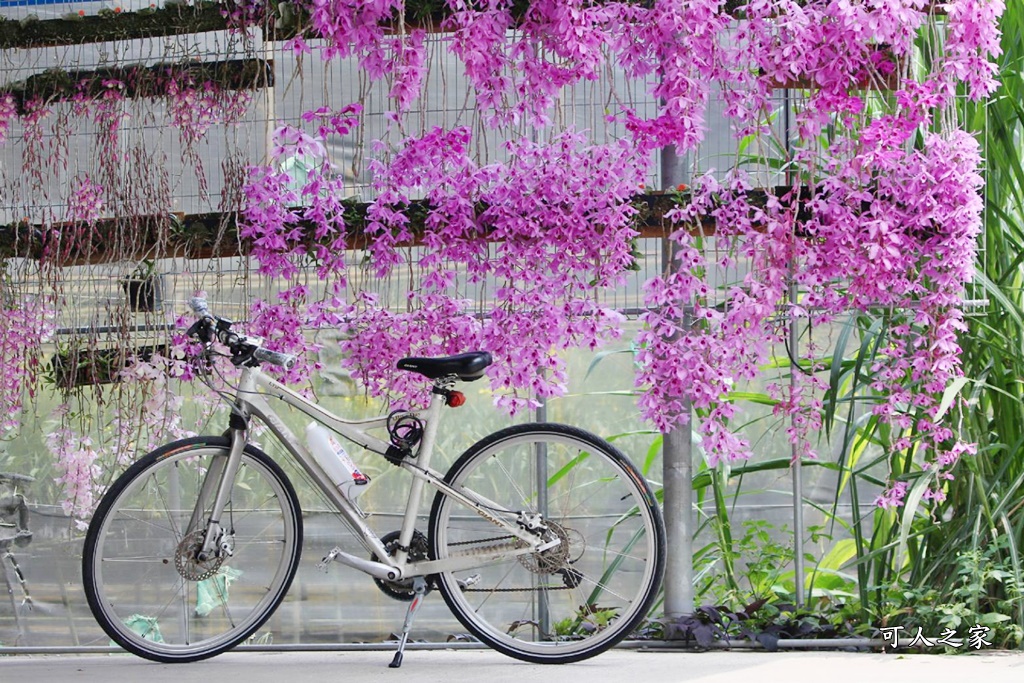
[(479, 666)]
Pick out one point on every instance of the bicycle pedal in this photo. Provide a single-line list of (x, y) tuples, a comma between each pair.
[(322, 564)]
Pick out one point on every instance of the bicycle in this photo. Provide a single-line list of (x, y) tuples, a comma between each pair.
[(14, 531), (545, 542)]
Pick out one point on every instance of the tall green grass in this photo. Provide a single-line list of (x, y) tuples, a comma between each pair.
[(958, 562), (964, 553)]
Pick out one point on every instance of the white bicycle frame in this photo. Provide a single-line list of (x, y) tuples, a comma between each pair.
[(251, 401)]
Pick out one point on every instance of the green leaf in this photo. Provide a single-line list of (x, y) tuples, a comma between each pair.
[(949, 395), (600, 356), (910, 505), (839, 555), (752, 397), (992, 618)]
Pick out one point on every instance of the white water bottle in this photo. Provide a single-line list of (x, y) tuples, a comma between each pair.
[(331, 456)]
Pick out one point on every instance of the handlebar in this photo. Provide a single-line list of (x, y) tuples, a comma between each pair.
[(284, 360), (244, 350)]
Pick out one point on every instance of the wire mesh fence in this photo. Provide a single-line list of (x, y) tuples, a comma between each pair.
[(154, 162)]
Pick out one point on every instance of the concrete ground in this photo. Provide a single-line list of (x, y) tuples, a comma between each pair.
[(482, 666)]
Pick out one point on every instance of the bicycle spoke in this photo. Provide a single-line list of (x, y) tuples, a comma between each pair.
[(579, 596), (136, 565)]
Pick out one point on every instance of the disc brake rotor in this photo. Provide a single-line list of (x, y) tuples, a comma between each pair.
[(555, 559), (186, 562)]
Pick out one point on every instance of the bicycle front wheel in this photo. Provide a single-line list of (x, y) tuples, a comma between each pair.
[(574, 600), (144, 583)]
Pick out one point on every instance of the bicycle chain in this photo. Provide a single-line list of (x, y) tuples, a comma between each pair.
[(516, 590), (529, 590), (569, 575), (485, 540)]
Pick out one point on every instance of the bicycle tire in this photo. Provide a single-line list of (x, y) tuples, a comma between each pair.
[(149, 594), (583, 596)]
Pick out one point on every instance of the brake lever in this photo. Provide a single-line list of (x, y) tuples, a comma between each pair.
[(202, 331), (194, 330), (238, 360)]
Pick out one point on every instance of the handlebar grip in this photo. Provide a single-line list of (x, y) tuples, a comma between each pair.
[(284, 360), (199, 306)]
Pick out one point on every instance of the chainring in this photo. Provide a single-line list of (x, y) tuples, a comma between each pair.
[(402, 590), (186, 562)]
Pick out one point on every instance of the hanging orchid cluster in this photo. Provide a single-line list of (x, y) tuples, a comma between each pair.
[(25, 325), (880, 209), (8, 111), (547, 259), (27, 318), (886, 223), (194, 108)]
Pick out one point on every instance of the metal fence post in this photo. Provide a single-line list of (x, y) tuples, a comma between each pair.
[(794, 293), (677, 454)]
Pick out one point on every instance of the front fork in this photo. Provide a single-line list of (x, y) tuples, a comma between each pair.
[(217, 485)]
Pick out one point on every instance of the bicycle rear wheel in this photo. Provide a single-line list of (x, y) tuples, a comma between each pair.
[(142, 579), (572, 601)]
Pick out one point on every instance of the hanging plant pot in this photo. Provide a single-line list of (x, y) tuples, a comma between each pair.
[(87, 367), (145, 296)]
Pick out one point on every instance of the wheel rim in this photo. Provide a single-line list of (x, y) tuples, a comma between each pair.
[(563, 603), (154, 595)]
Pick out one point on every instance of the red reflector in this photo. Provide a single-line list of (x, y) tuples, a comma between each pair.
[(456, 399)]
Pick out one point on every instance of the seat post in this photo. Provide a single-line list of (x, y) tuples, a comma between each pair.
[(423, 457)]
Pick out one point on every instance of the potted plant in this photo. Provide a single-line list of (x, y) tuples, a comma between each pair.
[(77, 366), (144, 288)]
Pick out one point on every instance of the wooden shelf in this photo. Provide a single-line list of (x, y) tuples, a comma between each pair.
[(140, 81), (215, 235), (165, 21)]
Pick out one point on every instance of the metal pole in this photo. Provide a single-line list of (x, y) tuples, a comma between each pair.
[(733, 644), (798, 485), (678, 490), (677, 455), (797, 467), (541, 455)]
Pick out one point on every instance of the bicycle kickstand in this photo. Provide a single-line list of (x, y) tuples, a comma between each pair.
[(419, 587)]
